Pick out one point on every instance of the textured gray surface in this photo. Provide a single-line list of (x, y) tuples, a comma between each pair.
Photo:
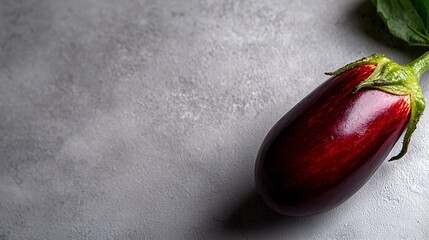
[(142, 119)]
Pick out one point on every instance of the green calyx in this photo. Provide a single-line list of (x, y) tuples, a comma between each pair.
[(393, 78)]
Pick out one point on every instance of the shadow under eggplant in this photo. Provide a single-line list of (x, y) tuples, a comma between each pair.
[(251, 214)]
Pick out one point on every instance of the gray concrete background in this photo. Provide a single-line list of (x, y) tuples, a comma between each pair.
[(140, 119)]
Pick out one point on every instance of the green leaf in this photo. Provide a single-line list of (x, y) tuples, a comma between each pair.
[(406, 19), (422, 8)]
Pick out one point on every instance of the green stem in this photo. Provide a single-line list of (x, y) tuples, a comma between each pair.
[(421, 64)]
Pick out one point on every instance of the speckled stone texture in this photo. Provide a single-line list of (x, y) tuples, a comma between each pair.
[(140, 119)]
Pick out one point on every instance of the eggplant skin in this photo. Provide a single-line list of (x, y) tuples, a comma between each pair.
[(327, 147)]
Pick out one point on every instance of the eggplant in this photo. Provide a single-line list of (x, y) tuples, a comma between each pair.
[(329, 145)]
